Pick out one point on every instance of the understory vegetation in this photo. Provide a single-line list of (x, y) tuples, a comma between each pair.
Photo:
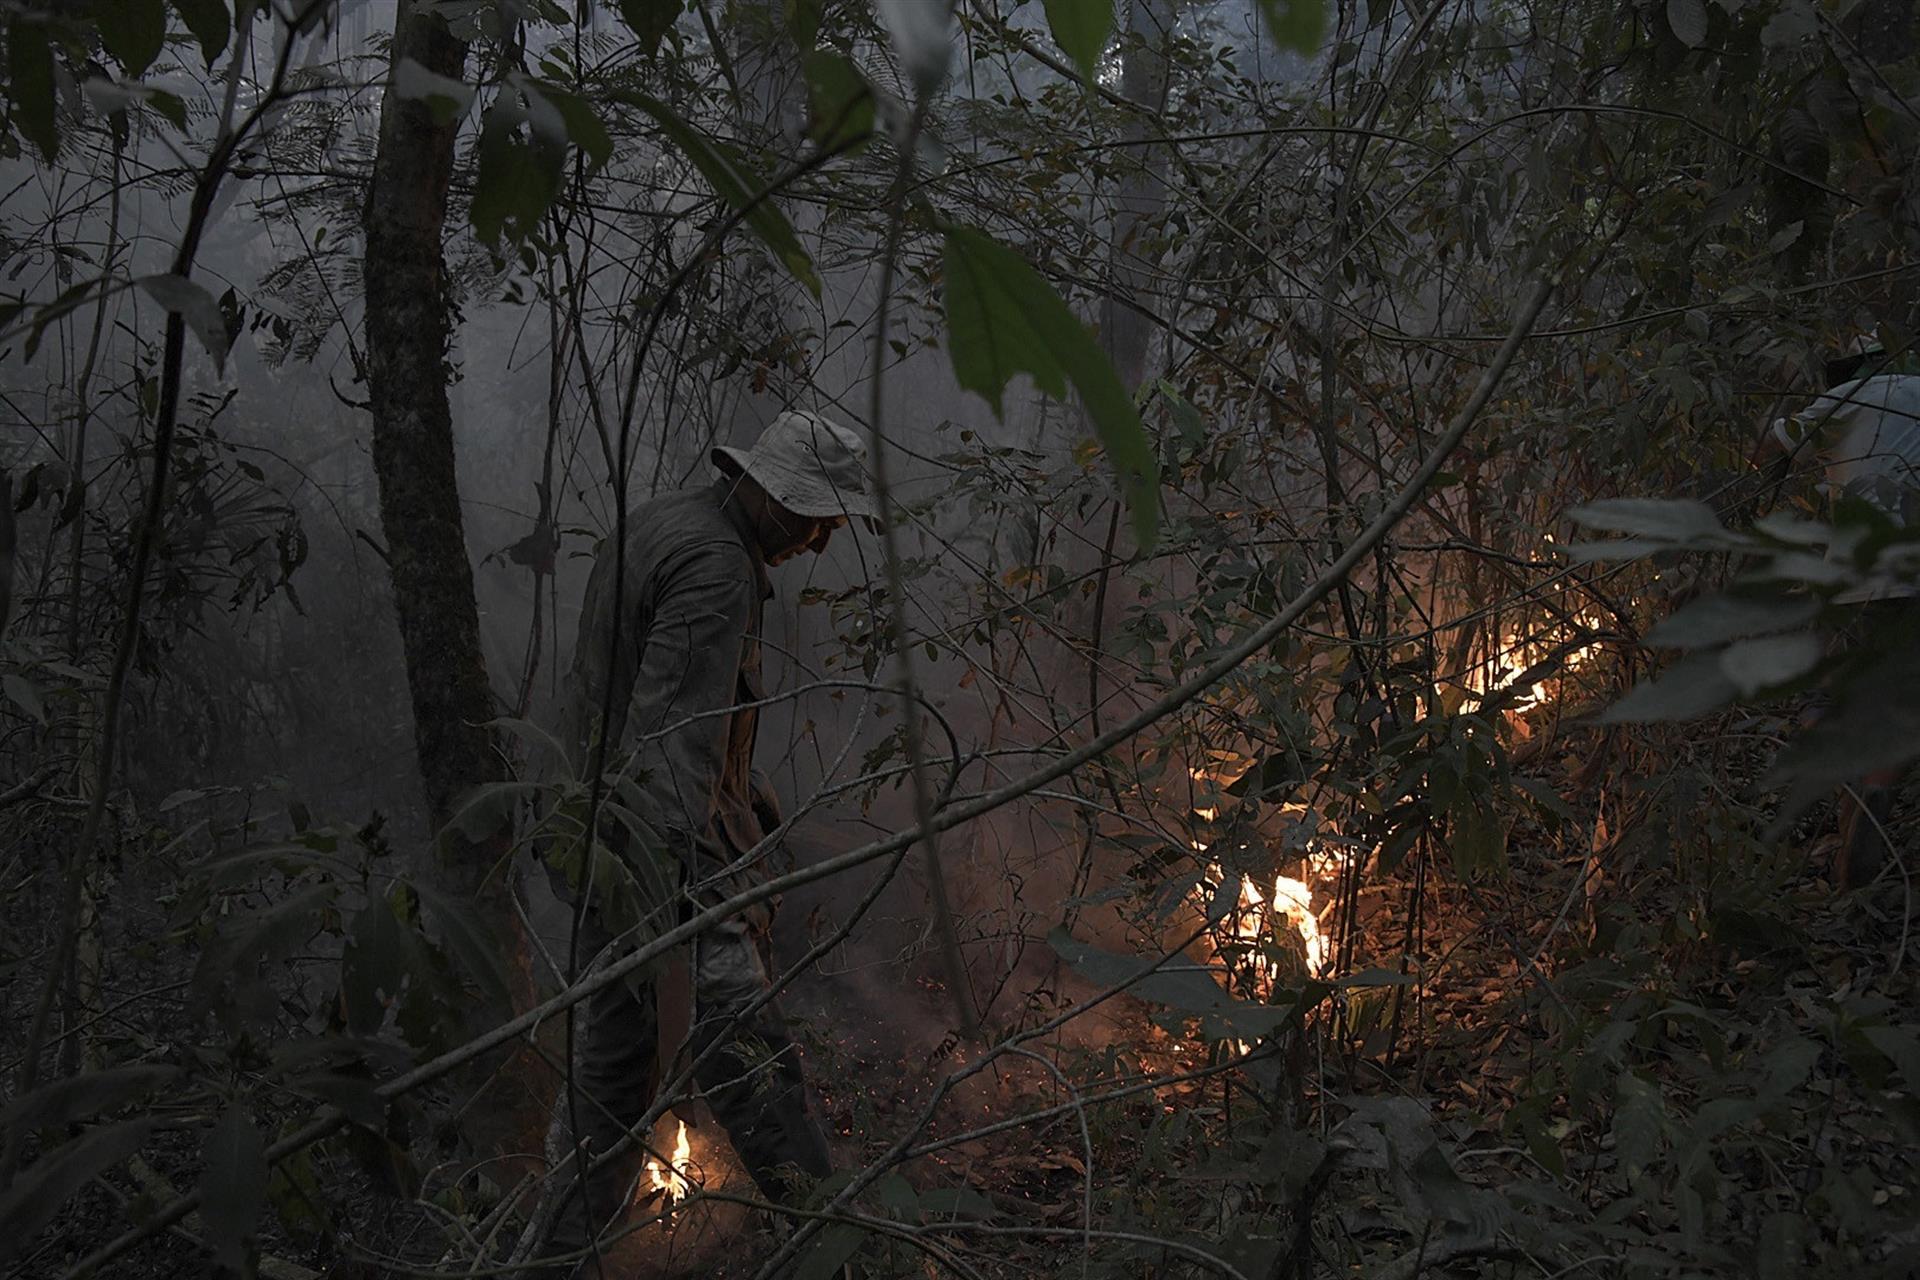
[(1328, 766)]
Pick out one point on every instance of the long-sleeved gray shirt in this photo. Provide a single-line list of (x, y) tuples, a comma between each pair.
[(683, 673)]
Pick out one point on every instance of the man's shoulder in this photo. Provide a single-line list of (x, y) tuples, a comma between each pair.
[(683, 526), (691, 515)]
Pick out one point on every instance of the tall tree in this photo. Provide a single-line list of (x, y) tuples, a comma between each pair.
[(408, 334)]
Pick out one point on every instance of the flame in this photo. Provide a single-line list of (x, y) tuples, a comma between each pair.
[(673, 1178), (1291, 901), (1516, 654)]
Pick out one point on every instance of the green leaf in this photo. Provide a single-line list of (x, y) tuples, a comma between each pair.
[(446, 98), (1081, 27), (521, 172), (1677, 520), (210, 23), (803, 22), (1298, 25), (829, 1252), (584, 128), (374, 966), (735, 182), (233, 1186), (1178, 984), (1691, 687), (1901, 1047), (1004, 318), (30, 84), (840, 104), (1719, 619), (170, 106), (1477, 837), (133, 31), (85, 1096), (1638, 1121), (1688, 19), (650, 20), (195, 306), (294, 1191), (472, 944), (39, 1191), (1769, 661)]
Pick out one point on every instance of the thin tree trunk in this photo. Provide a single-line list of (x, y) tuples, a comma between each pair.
[(408, 334), (407, 339)]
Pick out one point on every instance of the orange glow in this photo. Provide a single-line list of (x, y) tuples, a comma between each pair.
[(673, 1178), (1502, 671)]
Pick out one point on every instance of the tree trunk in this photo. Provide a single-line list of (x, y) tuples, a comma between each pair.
[(408, 335), (407, 339)]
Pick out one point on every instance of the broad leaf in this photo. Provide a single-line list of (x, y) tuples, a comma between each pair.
[(466, 936), (1719, 619), (210, 23), (1770, 661), (1875, 724), (1688, 21), (650, 20), (840, 104), (584, 129), (86, 1095), (133, 31), (829, 1253), (1298, 25), (735, 182), (39, 1191), (233, 1186), (1639, 1119), (1691, 687), (195, 306), (446, 97), (1081, 27), (1178, 984), (30, 84), (1674, 520), (1004, 318), (521, 172)]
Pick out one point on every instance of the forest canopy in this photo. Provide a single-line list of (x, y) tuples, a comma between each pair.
[(1364, 734)]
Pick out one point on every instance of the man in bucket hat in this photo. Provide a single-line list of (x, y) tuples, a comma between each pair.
[(686, 812)]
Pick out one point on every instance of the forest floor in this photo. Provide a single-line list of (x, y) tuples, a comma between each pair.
[(1486, 1043), (1615, 940)]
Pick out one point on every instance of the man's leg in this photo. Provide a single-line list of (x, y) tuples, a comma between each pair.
[(753, 1083), (613, 1075)]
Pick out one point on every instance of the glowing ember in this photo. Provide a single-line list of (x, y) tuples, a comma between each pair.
[(672, 1178)]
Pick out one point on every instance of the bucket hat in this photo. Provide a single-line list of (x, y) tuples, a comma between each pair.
[(809, 464)]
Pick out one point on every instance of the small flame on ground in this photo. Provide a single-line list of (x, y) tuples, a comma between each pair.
[(673, 1178)]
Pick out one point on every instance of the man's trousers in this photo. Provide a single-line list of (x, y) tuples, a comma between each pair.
[(752, 1082)]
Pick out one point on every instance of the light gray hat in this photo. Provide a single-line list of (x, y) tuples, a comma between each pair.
[(809, 464)]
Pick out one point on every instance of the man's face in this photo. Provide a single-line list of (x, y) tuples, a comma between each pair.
[(800, 533)]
